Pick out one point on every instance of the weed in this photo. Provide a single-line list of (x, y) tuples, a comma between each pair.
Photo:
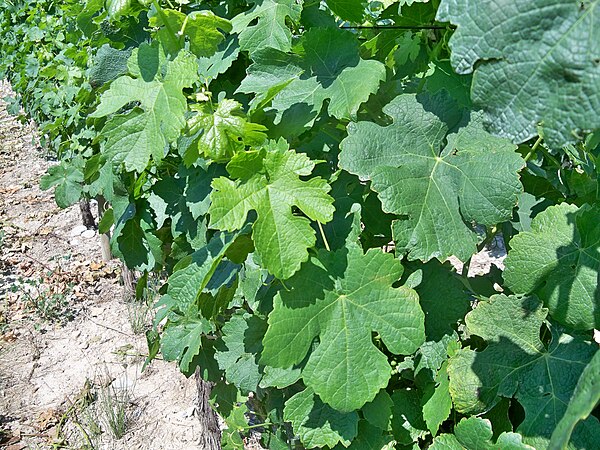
[(48, 301), (138, 313), (114, 401)]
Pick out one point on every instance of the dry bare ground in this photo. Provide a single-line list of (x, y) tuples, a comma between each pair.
[(70, 361)]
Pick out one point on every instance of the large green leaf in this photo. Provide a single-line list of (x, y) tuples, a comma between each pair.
[(270, 29), (268, 181), (516, 363), (439, 191), (559, 260), (342, 297), (330, 69), (535, 62), (146, 130), (317, 424)]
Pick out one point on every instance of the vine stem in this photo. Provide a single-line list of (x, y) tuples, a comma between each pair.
[(533, 148), (323, 236)]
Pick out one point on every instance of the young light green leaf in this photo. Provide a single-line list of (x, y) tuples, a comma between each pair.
[(281, 238), (536, 63), (225, 131), (559, 260), (440, 192), (517, 364), (317, 424), (201, 28), (145, 131), (342, 297)]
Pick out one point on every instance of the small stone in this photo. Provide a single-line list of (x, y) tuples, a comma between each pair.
[(78, 230), (88, 234)]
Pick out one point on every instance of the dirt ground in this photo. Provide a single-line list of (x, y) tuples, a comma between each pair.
[(70, 361)]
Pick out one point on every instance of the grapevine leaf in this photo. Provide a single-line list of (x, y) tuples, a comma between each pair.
[(369, 438), (182, 341), (280, 378), (439, 193), (109, 63), (537, 62), (352, 10), (378, 412), (201, 29), (67, 177), (242, 336), (437, 408), (116, 8), (192, 274), (145, 131), (331, 69), (317, 424), (407, 416), (341, 297), (441, 286), (225, 131), (474, 433), (270, 29), (559, 260), (517, 364), (211, 67), (585, 398), (281, 238)]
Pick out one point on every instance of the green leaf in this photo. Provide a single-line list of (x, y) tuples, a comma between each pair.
[(317, 424), (559, 260), (378, 412), (211, 67), (192, 274), (242, 336), (225, 131), (352, 10), (369, 438), (443, 299), (116, 8), (342, 297), (67, 177), (473, 433), (109, 63), (536, 63), (281, 238), (331, 69), (200, 28), (439, 192), (407, 416), (270, 29), (145, 131), (182, 341), (585, 398), (517, 364), (437, 408)]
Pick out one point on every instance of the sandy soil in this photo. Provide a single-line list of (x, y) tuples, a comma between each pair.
[(67, 347)]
